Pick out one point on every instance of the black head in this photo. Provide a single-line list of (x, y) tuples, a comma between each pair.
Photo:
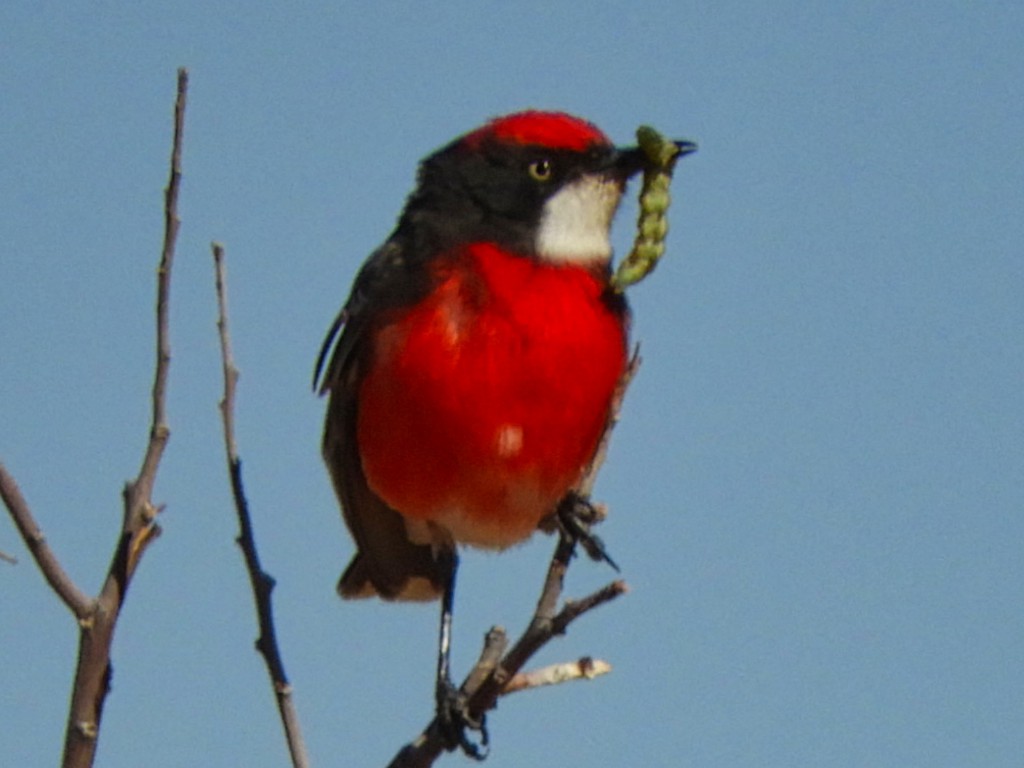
[(538, 183)]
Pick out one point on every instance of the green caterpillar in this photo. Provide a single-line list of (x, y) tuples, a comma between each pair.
[(652, 223)]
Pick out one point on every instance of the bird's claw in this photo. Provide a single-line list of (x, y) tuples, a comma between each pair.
[(454, 720), (576, 516)]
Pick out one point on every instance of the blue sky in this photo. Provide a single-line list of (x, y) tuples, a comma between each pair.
[(817, 485)]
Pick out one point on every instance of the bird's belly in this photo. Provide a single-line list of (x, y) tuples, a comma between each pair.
[(482, 405)]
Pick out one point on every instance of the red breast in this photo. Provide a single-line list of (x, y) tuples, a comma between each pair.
[(483, 403)]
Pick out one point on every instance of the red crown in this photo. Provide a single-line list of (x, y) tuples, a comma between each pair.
[(555, 130)]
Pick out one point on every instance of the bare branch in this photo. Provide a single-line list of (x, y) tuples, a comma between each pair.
[(262, 582), (97, 617), (227, 405), (495, 644), (11, 559), (543, 627), (74, 598), (488, 680), (159, 433), (585, 668), (139, 528)]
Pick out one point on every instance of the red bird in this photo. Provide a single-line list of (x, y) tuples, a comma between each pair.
[(475, 361)]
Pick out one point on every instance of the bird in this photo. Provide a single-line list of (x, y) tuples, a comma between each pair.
[(471, 371)]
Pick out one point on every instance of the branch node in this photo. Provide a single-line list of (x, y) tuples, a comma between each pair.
[(149, 511), (73, 597), (501, 676), (588, 667), (87, 729), (143, 537)]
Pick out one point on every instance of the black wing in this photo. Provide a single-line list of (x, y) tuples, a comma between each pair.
[(386, 562)]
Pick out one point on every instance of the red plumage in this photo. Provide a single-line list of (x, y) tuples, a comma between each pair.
[(551, 130), (484, 402)]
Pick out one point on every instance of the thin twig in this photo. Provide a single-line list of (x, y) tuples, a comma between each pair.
[(495, 645), (487, 681), (159, 433), (262, 582), (139, 528), (11, 559), (73, 597), (585, 668)]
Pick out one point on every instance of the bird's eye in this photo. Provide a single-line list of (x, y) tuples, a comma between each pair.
[(541, 170)]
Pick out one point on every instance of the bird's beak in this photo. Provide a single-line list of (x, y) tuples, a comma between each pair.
[(628, 161)]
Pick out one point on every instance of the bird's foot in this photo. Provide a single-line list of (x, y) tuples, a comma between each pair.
[(454, 720), (576, 516)]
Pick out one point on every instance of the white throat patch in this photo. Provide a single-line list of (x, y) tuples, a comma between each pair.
[(576, 220)]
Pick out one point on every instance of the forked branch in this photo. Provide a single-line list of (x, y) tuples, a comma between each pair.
[(79, 603), (97, 617)]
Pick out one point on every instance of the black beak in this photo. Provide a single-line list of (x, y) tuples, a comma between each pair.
[(628, 161)]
